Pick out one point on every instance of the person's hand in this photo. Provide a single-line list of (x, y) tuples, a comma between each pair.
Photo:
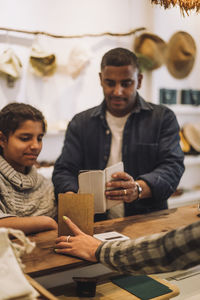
[(46, 223), (78, 244), (31, 224), (122, 187)]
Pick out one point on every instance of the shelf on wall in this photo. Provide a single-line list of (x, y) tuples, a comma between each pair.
[(192, 160), (185, 109), (187, 198)]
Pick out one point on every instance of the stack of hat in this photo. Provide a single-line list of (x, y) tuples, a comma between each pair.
[(190, 138)]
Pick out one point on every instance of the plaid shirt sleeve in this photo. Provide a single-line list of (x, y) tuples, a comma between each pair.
[(176, 250)]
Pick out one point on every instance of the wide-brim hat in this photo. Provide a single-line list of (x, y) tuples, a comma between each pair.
[(181, 53), (192, 134), (42, 63), (78, 58), (185, 146), (10, 64), (150, 48)]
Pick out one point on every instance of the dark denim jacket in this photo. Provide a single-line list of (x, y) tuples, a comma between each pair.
[(150, 151)]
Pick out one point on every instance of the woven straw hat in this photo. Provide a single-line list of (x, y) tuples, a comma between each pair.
[(185, 146), (10, 64), (181, 52), (192, 134), (42, 63), (150, 48)]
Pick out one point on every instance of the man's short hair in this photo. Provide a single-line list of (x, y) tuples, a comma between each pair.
[(119, 57), (14, 114)]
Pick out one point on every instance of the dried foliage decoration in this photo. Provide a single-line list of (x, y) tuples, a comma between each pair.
[(185, 5)]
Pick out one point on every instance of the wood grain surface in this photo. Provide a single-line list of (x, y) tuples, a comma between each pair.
[(43, 260)]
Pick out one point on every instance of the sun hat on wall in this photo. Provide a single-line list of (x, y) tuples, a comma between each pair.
[(42, 63), (180, 56), (79, 57), (10, 66), (185, 146), (192, 134), (150, 49)]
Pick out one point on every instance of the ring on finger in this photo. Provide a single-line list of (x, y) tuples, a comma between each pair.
[(68, 237)]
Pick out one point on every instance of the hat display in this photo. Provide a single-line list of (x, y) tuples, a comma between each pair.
[(185, 146), (10, 65), (180, 56), (42, 63), (192, 134), (78, 59), (151, 49)]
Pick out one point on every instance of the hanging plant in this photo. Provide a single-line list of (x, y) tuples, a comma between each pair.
[(185, 5)]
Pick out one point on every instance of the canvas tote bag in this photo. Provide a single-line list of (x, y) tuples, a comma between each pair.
[(13, 284)]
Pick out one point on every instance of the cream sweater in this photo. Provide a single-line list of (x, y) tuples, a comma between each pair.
[(25, 194)]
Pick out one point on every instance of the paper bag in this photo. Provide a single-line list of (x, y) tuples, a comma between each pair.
[(79, 208)]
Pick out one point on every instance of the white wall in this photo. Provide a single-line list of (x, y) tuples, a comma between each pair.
[(60, 96), (66, 16)]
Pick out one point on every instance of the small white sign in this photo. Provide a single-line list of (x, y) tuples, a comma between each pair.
[(111, 236)]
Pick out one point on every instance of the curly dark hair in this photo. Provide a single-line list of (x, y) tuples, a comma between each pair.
[(14, 114), (119, 57)]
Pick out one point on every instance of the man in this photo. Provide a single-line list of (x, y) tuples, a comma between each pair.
[(163, 252), (124, 127)]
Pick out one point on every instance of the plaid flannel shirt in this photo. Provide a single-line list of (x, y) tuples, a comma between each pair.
[(175, 250)]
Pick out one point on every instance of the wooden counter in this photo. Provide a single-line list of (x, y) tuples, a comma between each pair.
[(43, 260)]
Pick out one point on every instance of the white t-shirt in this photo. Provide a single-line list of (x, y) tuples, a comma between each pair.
[(116, 125)]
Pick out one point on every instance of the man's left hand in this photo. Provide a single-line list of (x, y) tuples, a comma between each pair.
[(122, 187)]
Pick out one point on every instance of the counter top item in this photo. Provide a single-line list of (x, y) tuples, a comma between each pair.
[(44, 261), (109, 291)]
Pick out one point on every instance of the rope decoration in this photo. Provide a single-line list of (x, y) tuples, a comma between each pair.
[(74, 36)]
